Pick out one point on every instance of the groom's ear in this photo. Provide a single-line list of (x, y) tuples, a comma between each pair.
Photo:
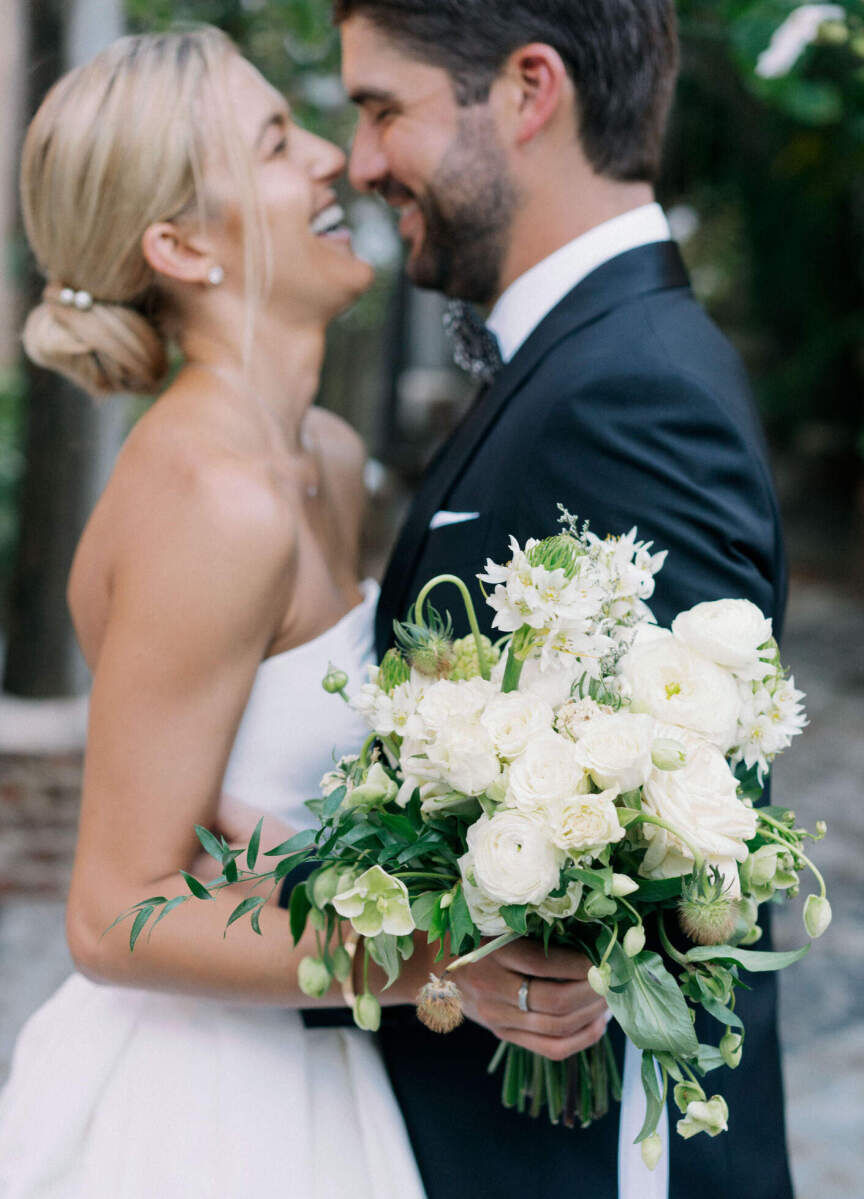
[(536, 91)]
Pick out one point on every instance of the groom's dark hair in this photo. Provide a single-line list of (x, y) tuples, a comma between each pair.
[(622, 56)]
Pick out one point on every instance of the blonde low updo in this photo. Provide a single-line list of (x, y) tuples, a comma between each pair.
[(116, 146)]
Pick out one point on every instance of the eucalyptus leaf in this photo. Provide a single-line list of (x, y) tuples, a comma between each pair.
[(138, 926), (301, 840), (298, 909), (252, 904), (754, 960), (650, 1008), (197, 889), (211, 844), (254, 845)]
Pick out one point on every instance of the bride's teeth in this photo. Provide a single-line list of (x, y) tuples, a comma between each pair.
[(330, 218)]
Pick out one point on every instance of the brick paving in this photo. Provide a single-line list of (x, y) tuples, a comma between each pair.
[(822, 1017)]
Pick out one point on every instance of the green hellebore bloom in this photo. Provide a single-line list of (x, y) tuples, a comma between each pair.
[(731, 1046), (711, 1117), (634, 940), (652, 1150), (376, 902), (367, 1012), (763, 865), (313, 977), (687, 1092), (599, 979), (599, 905), (817, 914), (377, 790), (325, 886)]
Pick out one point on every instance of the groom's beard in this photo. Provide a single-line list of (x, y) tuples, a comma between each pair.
[(467, 213)]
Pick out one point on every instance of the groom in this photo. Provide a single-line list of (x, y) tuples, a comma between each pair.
[(519, 140)]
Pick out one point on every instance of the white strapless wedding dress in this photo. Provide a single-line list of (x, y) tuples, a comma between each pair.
[(124, 1094)]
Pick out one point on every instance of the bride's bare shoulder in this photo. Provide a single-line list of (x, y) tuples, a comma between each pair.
[(339, 445)]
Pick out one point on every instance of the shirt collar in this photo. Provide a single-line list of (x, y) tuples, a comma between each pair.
[(527, 300)]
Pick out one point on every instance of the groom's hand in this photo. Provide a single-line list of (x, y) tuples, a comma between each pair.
[(564, 1014)]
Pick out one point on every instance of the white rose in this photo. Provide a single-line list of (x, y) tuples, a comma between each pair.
[(514, 859), (572, 719), (701, 801), (550, 770), (464, 756), (485, 912), (728, 632), (587, 823), (673, 683), (511, 721), (616, 749), (552, 684)]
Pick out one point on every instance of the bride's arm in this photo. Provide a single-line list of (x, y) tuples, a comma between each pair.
[(196, 597)]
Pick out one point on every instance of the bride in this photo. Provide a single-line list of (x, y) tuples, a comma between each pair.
[(169, 194)]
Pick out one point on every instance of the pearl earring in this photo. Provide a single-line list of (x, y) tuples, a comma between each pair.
[(215, 275)]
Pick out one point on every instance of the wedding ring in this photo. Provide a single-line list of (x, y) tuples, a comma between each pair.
[(522, 997)]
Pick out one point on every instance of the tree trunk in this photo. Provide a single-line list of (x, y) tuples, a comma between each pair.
[(70, 443)]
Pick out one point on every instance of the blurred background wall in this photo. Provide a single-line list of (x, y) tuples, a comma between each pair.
[(765, 188)]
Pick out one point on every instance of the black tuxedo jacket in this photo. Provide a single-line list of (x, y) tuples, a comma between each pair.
[(627, 405)]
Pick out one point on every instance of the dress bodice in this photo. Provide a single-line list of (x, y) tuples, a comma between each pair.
[(292, 730)]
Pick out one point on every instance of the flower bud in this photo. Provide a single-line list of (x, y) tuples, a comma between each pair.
[(313, 977), (821, 829), (668, 754), (817, 914), (341, 963), (686, 1093), (367, 1012), (326, 885), (446, 900), (652, 1150), (763, 865), (711, 1117), (731, 1048), (750, 938), (334, 680), (623, 885), (599, 905), (317, 920), (634, 940), (599, 978)]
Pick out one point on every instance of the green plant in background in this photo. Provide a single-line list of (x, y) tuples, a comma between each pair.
[(11, 463), (770, 152)]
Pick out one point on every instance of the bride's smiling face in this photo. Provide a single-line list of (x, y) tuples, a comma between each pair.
[(310, 267)]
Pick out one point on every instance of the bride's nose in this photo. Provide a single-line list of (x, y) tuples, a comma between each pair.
[(325, 160)]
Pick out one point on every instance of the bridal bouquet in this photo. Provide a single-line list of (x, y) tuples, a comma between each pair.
[(587, 781)]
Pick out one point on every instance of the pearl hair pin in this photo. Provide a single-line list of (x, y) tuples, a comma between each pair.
[(70, 298)]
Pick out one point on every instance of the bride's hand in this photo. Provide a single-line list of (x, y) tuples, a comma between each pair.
[(564, 1016)]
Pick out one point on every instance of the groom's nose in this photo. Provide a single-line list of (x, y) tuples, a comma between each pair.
[(367, 164)]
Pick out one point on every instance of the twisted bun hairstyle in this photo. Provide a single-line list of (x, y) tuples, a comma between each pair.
[(115, 147)]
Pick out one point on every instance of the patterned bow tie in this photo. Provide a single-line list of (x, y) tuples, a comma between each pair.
[(475, 348)]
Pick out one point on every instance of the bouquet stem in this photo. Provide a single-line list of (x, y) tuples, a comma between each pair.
[(573, 1091), (469, 610)]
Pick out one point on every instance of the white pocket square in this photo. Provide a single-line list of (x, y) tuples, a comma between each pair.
[(440, 519)]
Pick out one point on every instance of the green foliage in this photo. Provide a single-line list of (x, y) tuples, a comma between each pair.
[(11, 464)]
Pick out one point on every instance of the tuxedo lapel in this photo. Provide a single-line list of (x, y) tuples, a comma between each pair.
[(637, 272)]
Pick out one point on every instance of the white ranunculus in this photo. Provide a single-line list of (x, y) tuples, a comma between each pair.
[(445, 703), (673, 683), (616, 749), (728, 632), (701, 801), (464, 756), (512, 720), (586, 824), (514, 859), (552, 684), (549, 771), (485, 912)]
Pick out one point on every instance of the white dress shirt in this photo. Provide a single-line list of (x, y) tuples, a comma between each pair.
[(533, 295)]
